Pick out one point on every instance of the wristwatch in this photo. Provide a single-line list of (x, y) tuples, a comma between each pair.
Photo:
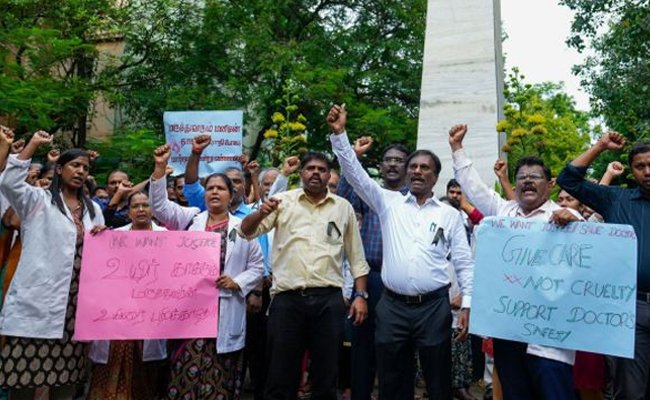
[(360, 293)]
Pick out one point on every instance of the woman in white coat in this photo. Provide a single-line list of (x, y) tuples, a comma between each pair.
[(121, 369), (207, 368), (39, 311)]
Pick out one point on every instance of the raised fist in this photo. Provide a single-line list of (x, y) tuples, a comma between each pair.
[(613, 141), (337, 118), (290, 165), (161, 154), (201, 142), (362, 145), (456, 135)]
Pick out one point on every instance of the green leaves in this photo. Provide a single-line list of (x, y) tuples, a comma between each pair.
[(616, 74), (239, 55), (541, 120)]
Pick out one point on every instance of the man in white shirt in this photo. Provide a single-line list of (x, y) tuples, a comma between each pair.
[(418, 233), (526, 371)]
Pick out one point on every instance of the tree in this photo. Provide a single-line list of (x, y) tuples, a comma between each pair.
[(542, 120), (240, 55), (616, 74), (51, 69)]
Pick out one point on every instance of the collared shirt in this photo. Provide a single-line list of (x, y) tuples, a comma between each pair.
[(310, 240), (114, 218), (370, 224), (490, 203), (617, 206), (195, 195), (417, 239)]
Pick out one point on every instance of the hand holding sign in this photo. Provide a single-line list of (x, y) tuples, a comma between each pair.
[(563, 216), (226, 282)]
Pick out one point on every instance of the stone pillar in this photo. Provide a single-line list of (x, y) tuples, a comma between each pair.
[(462, 83)]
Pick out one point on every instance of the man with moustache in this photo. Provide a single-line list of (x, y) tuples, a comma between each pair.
[(392, 167), (526, 371), (619, 205), (418, 234), (313, 230)]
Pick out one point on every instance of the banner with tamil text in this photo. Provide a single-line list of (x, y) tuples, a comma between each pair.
[(570, 287), (148, 285), (225, 128)]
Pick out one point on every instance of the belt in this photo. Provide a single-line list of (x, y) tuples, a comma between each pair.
[(643, 296), (317, 291), (420, 298)]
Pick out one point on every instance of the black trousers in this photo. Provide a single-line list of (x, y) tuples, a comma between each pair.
[(401, 330), (255, 350), (310, 320), (364, 361), (631, 375)]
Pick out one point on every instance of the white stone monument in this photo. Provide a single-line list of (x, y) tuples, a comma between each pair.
[(462, 83)]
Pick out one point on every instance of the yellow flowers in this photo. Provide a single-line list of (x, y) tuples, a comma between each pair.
[(536, 119), (297, 126), (538, 130), (287, 135), (277, 118), (517, 133), (270, 134), (503, 126)]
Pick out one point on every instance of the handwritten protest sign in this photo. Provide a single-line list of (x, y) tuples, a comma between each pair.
[(225, 128), (148, 285), (571, 287)]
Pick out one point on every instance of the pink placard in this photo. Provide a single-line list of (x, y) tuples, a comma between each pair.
[(148, 285)]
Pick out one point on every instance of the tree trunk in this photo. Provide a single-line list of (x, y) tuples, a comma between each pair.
[(85, 72)]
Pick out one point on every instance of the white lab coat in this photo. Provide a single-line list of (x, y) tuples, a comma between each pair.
[(244, 263), (37, 298), (151, 350)]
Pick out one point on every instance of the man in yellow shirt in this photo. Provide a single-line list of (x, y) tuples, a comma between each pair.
[(313, 230)]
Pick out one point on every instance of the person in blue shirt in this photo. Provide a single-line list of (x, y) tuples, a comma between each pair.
[(194, 191)]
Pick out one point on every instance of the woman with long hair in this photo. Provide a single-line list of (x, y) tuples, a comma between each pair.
[(39, 312), (206, 368)]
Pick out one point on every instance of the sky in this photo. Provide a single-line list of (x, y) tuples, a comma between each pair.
[(537, 30)]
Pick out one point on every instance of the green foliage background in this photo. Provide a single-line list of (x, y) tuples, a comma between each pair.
[(615, 34)]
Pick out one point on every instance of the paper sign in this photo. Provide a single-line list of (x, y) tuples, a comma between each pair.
[(148, 285), (571, 287), (225, 128)]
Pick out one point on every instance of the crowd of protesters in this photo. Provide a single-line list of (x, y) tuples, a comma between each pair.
[(344, 288)]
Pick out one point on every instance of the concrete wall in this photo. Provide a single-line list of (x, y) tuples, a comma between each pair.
[(462, 82)]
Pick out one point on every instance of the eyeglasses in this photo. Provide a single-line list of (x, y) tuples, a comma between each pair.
[(532, 177), (394, 160)]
